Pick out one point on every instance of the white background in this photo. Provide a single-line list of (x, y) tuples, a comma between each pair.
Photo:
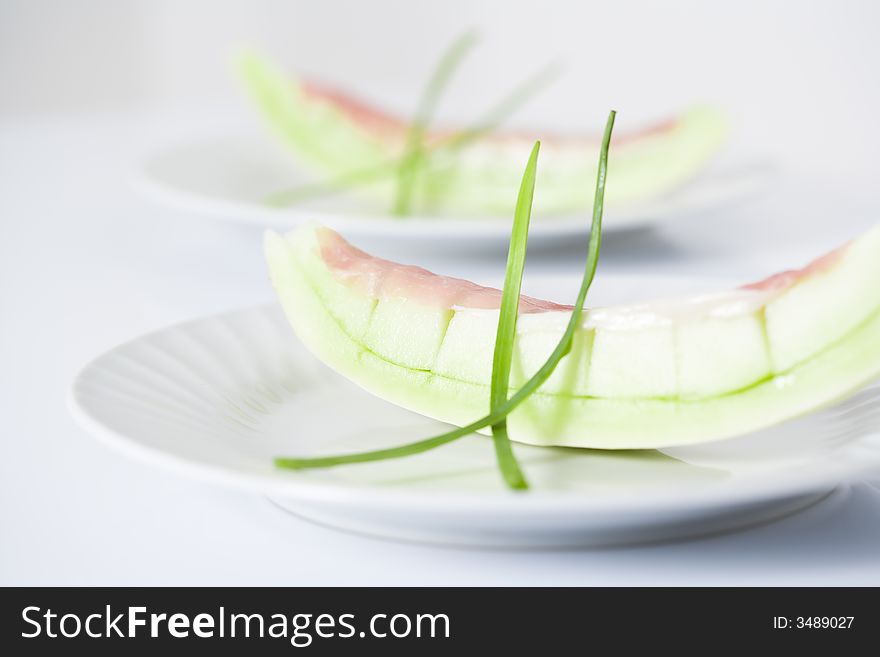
[(89, 87)]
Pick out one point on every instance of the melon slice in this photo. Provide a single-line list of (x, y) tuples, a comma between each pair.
[(653, 375), (336, 134)]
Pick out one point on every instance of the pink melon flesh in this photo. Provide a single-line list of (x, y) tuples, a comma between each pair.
[(380, 278), (785, 279), (382, 123)]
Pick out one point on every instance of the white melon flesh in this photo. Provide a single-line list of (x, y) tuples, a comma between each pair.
[(840, 293), (537, 337), (720, 354), (652, 375), (457, 358), (407, 333), (632, 361)]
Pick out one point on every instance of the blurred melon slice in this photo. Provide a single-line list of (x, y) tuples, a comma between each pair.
[(335, 134)]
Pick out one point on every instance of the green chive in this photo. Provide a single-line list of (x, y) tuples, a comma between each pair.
[(507, 317), (502, 411), (413, 146)]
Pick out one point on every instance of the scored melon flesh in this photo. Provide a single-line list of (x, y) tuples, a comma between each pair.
[(650, 375), (336, 134)]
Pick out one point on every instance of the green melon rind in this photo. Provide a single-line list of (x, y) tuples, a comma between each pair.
[(323, 136), (482, 179), (300, 278)]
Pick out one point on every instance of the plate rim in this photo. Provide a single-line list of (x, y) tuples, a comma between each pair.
[(143, 181), (767, 483)]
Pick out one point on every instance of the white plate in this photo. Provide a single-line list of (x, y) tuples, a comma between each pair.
[(217, 398), (229, 177)]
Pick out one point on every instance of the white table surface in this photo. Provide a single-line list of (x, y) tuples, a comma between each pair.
[(85, 264)]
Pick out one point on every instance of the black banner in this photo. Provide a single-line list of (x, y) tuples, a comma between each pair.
[(432, 621)]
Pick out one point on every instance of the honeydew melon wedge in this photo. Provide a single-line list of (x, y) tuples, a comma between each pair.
[(336, 134), (653, 375)]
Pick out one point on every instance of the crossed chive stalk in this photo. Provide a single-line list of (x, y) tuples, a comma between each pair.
[(417, 153), (500, 404)]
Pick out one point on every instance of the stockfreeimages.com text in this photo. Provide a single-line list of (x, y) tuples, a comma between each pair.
[(299, 629)]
